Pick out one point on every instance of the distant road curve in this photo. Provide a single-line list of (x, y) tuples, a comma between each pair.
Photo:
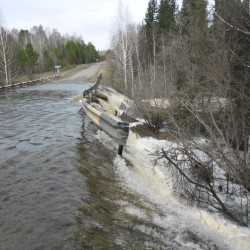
[(85, 73)]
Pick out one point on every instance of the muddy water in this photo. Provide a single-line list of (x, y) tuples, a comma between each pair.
[(40, 183), (59, 187)]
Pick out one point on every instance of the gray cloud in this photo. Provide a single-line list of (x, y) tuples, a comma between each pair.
[(91, 19)]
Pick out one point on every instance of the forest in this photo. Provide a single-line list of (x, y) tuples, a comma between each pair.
[(188, 70), (35, 51)]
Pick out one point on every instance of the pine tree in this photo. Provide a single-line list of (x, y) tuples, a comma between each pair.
[(194, 23), (71, 52), (233, 16), (90, 53), (23, 38), (151, 15), (48, 60), (194, 15), (31, 56), (151, 32), (166, 16), (151, 22), (28, 58)]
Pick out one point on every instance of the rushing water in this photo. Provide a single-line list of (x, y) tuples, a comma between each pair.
[(61, 185), (58, 185)]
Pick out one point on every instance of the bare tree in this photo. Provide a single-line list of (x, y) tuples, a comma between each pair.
[(204, 106), (199, 179), (40, 42), (121, 45), (8, 68)]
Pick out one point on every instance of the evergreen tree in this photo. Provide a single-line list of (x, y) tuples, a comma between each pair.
[(91, 54), (166, 16), (80, 46), (194, 24), (23, 38), (60, 58), (31, 55), (71, 52), (151, 15), (151, 36), (233, 15), (151, 25), (28, 58), (48, 60), (194, 15)]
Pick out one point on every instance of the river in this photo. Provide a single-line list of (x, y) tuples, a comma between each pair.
[(62, 185)]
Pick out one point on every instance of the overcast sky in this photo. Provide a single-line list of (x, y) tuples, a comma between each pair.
[(91, 19)]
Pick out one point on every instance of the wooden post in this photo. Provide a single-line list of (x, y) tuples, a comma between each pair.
[(120, 148)]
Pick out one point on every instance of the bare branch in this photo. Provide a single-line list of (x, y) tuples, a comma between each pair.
[(230, 25)]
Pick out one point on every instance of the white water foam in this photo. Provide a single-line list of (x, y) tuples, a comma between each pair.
[(153, 183)]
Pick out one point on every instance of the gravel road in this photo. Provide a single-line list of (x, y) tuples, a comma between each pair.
[(85, 74)]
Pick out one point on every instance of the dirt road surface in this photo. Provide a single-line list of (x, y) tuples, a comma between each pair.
[(84, 74)]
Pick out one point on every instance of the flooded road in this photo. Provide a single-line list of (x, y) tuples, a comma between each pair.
[(40, 183), (62, 185), (58, 184)]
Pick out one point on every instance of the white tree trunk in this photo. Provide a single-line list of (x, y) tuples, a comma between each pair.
[(5, 56), (122, 46)]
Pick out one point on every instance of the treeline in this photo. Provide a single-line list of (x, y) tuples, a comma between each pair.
[(36, 51), (194, 63), (177, 41)]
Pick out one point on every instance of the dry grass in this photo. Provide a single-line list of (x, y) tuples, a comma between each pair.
[(144, 131)]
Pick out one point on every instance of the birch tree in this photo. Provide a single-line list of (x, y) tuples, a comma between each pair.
[(121, 44), (8, 69), (39, 42)]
